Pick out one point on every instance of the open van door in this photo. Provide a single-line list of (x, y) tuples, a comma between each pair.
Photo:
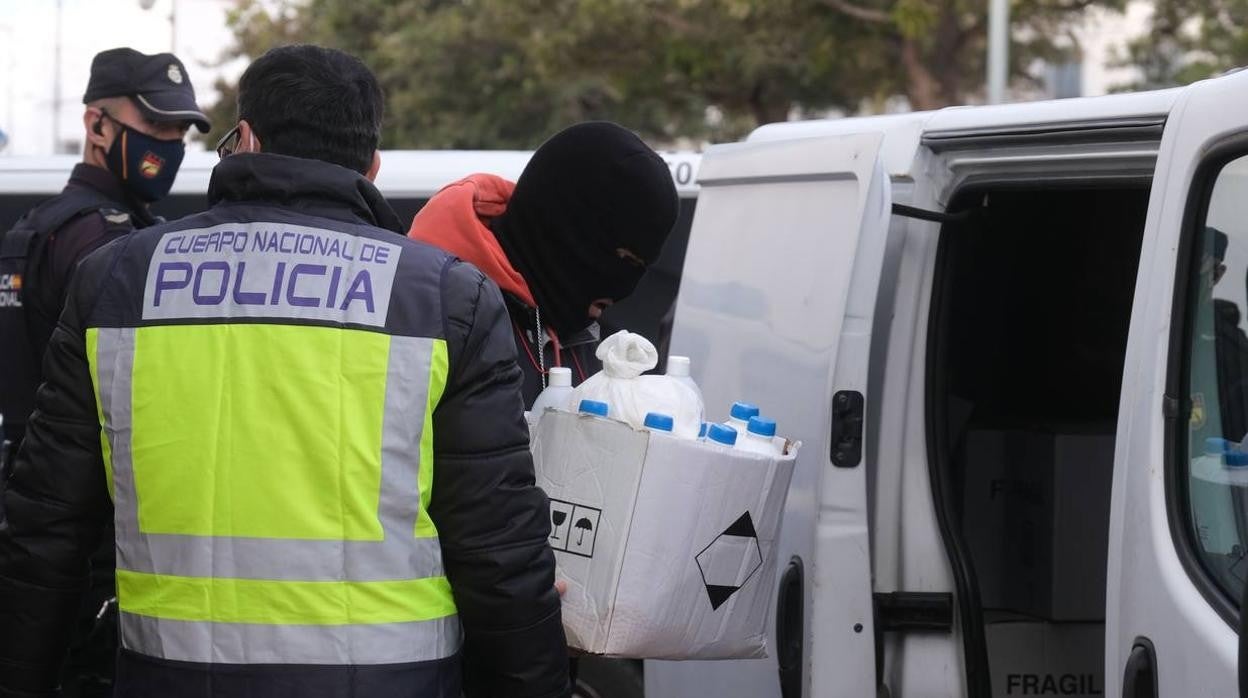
[(1179, 518), (775, 307)]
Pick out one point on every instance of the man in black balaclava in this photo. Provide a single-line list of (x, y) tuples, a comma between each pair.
[(591, 210)]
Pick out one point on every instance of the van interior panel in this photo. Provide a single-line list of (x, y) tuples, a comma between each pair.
[(1031, 317)]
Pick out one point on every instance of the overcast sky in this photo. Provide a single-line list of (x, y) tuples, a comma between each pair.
[(28, 56)]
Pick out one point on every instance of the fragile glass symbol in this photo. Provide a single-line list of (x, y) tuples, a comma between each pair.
[(585, 525), (558, 517)]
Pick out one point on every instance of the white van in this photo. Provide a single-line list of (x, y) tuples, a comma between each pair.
[(1012, 341)]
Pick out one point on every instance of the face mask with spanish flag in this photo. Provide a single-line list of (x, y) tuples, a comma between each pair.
[(146, 166)]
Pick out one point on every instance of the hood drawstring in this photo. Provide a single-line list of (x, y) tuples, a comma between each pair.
[(541, 346)]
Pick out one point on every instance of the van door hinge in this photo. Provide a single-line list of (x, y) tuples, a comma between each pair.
[(914, 611)]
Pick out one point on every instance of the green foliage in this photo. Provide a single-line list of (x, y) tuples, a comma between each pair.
[(1188, 40), (507, 73)]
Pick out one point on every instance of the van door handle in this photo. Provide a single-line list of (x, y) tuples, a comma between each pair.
[(1139, 679), (790, 629), (846, 434)]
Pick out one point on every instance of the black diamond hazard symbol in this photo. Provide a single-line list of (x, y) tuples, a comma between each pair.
[(742, 527), (729, 561), (718, 595)]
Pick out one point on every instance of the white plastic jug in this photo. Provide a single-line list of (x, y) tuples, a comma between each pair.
[(739, 416), (759, 437), (625, 357), (558, 393), (721, 435), (678, 369)]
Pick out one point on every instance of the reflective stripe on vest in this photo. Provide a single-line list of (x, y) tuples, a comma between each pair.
[(281, 515)]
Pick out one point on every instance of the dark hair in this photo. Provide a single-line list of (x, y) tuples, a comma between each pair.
[(313, 102)]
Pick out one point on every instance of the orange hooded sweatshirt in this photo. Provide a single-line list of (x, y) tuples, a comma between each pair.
[(456, 219)]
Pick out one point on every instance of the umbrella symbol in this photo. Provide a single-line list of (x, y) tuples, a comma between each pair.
[(585, 525)]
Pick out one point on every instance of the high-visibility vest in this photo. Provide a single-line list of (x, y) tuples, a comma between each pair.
[(267, 435)]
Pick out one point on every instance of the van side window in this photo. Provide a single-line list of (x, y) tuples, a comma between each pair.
[(1217, 371)]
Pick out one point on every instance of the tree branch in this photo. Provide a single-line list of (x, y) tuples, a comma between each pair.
[(866, 14)]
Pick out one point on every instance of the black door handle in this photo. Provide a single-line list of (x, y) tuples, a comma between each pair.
[(846, 437), (1139, 679), (790, 629)]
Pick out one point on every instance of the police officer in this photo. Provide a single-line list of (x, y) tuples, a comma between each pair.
[(139, 108), (311, 430)]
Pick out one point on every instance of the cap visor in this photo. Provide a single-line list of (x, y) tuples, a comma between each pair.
[(173, 105)]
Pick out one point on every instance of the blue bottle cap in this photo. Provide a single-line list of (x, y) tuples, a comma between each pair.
[(594, 407), (1217, 444), (743, 411), (702, 431), (657, 420), (1235, 459), (762, 426), (722, 434)]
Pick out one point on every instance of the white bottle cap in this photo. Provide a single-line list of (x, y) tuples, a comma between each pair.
[(678, 366), (559, 377)]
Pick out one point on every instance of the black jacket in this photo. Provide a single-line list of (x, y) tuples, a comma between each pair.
[(492, 520), (1231, 351), (80, 237), (90, 211)]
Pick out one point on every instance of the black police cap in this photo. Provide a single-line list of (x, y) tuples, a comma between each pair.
[(158, 84)]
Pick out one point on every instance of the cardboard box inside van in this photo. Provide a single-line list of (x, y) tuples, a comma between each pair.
[(1036, 520)]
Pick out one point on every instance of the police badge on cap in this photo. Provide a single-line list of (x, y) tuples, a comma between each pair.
[(157, 84)]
